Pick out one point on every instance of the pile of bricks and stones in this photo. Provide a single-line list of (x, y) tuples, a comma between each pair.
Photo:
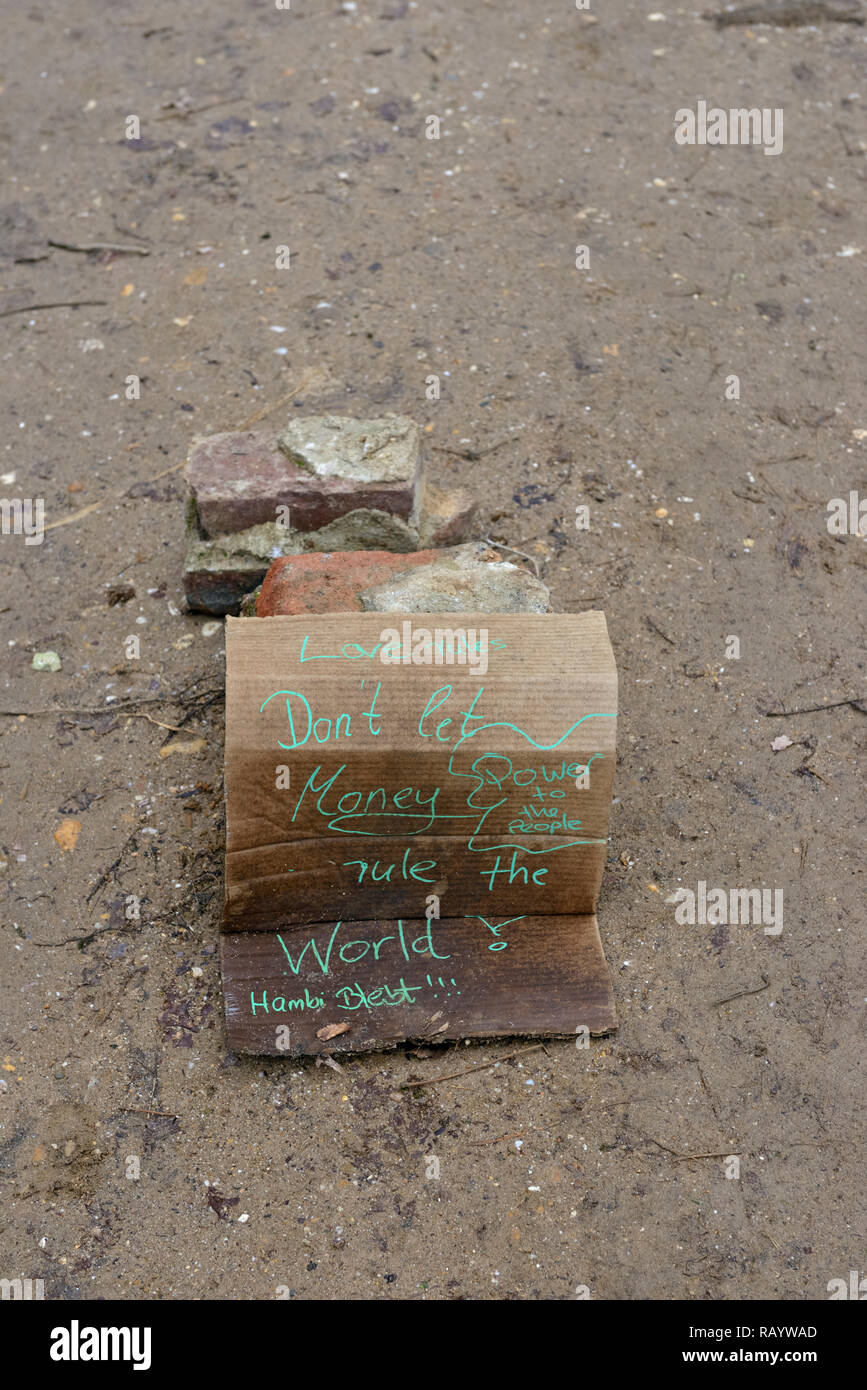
[(334, 515)]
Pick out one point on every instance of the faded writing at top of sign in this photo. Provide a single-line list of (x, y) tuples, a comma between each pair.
[(442, 642), (418, 646)]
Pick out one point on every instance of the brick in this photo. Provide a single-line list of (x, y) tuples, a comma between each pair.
[(321, 468), (237, 480), (364, 529)]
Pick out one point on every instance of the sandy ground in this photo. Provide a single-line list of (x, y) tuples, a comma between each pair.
[(604, 387)]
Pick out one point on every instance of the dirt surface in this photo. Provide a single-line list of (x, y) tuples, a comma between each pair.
[(560, 388)]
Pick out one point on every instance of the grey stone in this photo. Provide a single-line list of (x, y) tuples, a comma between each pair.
[(364, 529), (361, 451), (467, 580)]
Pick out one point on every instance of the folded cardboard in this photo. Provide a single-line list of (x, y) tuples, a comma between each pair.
[(421, 779)]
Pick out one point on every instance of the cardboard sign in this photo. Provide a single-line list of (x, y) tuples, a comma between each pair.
[(386, 771)]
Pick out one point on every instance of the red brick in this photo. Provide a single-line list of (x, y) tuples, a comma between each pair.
[(331, 583), (240, 479)]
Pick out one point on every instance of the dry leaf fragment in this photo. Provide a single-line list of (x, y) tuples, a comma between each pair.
[(332, 1030), (67, 833)]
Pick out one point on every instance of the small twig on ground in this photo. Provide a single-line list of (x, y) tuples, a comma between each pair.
[(485, 1066), (659, 632), (104, 876), (100, 246), (772, 463), (125, 707), (742, 994), (267, 409), (842, 133), (324, 1059), (650, 1140), (138, 1110), (106, 1013), (487, 541), (140, 714), (76, 940), (472, 455), (184, 112), (856, 701), (686, 1158), (306, 379), (61, 304), (692, 173)]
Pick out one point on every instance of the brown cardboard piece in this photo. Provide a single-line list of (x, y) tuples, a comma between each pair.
[(377, 800)]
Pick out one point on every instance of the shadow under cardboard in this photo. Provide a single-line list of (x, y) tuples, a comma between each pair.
[(396, 981)]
